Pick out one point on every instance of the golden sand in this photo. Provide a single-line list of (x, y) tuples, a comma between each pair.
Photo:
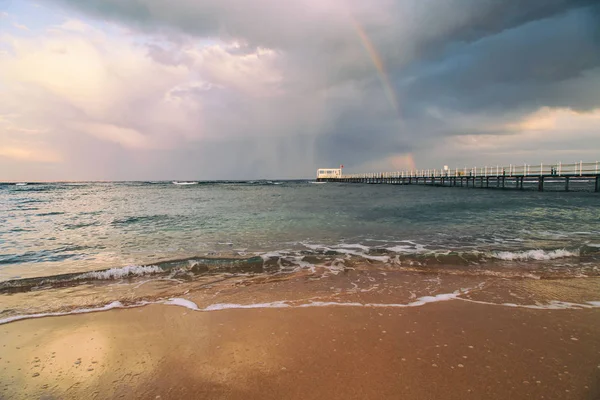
[(447, 350)]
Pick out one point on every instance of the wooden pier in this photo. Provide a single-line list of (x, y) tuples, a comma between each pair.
[(581, 176)]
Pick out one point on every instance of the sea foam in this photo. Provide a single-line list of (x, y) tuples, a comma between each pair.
[(227, 306), (123, 272), (182, 303), (534, 255), (110, 306), (348, 249), (551, 305)]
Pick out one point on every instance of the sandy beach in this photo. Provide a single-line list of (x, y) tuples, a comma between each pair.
[(260, 291), (300, 199), (451, 350)]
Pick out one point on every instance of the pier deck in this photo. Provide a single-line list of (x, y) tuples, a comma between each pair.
[(581, 176)]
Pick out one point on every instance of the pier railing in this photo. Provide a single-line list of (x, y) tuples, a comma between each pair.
[(578, 176), (512, 170)]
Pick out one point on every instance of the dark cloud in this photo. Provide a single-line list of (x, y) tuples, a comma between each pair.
[(457, 67), (530, 65)]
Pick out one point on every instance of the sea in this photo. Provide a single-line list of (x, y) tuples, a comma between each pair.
[(93, 246)]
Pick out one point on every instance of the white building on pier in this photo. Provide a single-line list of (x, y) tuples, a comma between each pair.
[(329, 173)]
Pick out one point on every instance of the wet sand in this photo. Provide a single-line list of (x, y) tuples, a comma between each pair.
[(449, 350)]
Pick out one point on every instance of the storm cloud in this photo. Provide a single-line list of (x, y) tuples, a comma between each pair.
[(218, 89)]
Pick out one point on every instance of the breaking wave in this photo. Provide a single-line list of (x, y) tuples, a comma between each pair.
[(124, 272), (335, 259), (534, 255)]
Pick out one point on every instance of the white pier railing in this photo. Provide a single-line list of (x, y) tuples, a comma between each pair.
[(512, 170)]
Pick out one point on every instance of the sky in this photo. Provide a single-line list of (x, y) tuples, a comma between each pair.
[(247, 89)]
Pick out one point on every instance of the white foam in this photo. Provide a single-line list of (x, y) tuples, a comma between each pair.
[(284, 304), (227, 306), (414, 249), (551, 305), (268, 256), (330, 304), (184, 183), (361, 250), (383, 259), (419, 302), (352, 246), (314, 246), (110, 306), (336, 266), (299, 261), (123, 272), (182, 303), (556, 305), (533, 255), (349, 250), (433, 299)]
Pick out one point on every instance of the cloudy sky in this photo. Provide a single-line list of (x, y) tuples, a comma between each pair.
[(243, 89)]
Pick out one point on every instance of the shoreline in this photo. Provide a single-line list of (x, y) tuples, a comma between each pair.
[(422, 301), (449, 349), (356, 286)]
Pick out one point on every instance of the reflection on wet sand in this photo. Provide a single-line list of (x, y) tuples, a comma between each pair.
[(443, 350)]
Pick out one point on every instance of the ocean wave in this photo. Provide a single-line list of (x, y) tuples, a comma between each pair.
[(120, 273), (143, 219), (410, 249), (348, 249), (49, 214), (36, 188), (169, 268), (25, 284), (326, 260), (28, 201), (80, 225), (534, 255), (50, 255)]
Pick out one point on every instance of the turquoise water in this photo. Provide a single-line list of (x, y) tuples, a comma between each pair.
[(53, 229), (70, 248)]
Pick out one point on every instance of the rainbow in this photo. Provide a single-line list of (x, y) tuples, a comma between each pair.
[(378, 63), (404, 161), (400, 161)]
